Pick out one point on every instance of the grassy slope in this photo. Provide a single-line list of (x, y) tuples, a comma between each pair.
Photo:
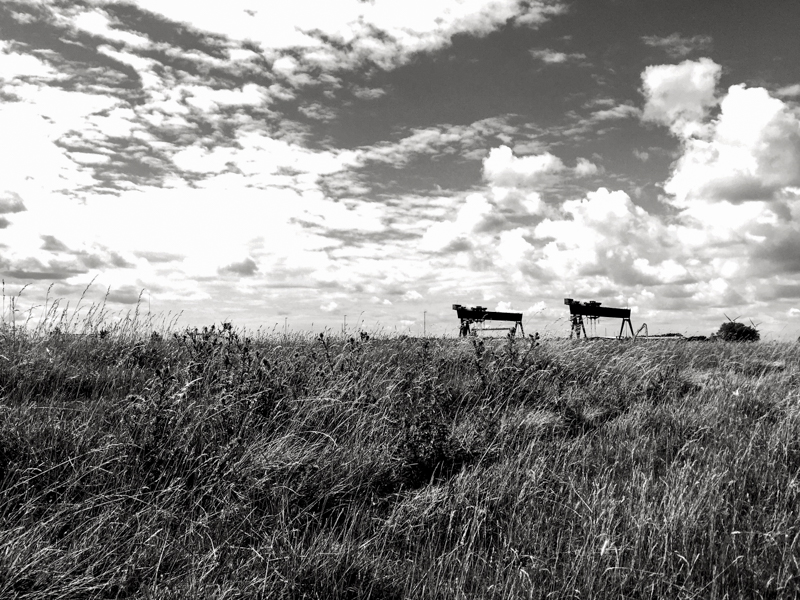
[(214, 466)]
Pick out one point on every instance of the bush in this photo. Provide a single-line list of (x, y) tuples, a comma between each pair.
[(738, 332)]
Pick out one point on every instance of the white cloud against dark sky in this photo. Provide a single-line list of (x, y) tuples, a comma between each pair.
[(384, 158)]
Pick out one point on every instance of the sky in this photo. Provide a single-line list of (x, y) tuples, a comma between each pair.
[(312, 162)]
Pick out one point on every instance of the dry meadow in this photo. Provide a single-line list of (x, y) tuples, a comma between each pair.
[(212, 464)]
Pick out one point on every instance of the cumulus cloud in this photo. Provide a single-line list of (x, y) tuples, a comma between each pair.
[(499, 216), (10, 202), (586, 168), (680, 95), (736, 181), (195, 133), (329, 306), (751, 152), (502, 168), (457, 234), (604, 235)]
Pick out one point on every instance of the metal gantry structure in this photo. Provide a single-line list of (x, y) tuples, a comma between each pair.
[(478, 315), (592, 311), (473, 319)]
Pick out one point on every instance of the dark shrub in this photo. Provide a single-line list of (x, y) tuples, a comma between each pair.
[(738, 332)]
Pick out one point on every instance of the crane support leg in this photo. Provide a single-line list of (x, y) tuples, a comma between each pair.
[(622, 328)]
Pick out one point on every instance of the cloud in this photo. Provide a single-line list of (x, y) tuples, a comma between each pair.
[(440, 140), (778, 253), (735, 183), (159, 257), (99, 23), (365, 93), (34, 162), (552, 57), (329, 306), (620, 111), (456, 235), (601, 118), (605, 235), (52, 244), (318, 112), (22, 67), (750, 152), (127, 294), (586, 168), (678, 46), (246, 268), (159, 154), (536, 308), (789, 91), (347, 34), (680, 95), (208, 99), (10, 202), (32, 268), (497, 216), (502, 168), (264, 161)]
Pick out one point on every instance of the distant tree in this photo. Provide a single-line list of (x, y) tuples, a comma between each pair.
[(733, 331)]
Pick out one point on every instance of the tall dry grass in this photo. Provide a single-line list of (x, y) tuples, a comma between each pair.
[(212, 464)]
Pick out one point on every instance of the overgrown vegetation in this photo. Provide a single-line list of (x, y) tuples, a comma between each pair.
[(733, 331), (213, 464)]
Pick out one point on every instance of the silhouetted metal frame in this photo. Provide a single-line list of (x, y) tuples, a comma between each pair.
[(594, 310), (479, 314)]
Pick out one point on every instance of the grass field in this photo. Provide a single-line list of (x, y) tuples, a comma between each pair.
[(214, 466)]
